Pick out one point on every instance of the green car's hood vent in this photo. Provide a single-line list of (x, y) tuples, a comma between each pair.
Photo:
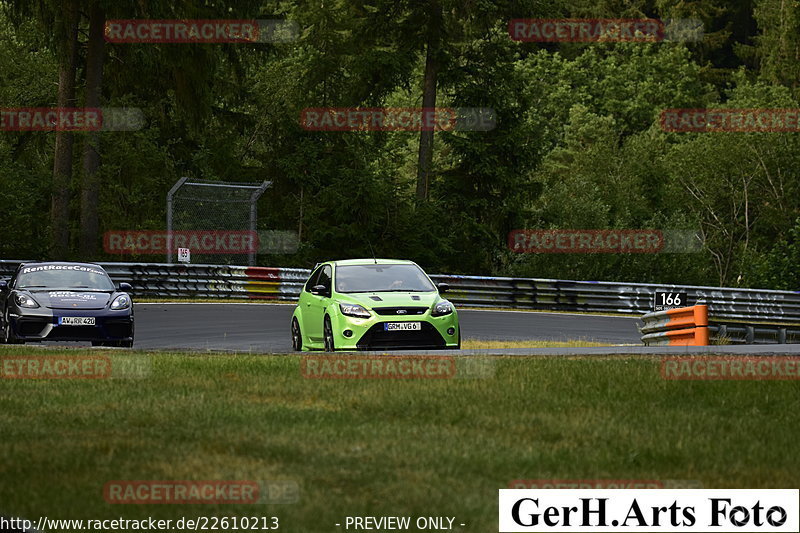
[(395, 299)]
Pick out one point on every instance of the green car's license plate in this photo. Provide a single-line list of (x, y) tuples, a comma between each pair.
[(402, 326)]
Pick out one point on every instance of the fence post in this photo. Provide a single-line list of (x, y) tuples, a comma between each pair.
[(750, 336)]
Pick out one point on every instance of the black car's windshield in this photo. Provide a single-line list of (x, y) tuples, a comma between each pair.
[(63, 277), (382, 278)]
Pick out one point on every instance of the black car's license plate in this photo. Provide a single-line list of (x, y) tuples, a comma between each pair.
[(76, 321)]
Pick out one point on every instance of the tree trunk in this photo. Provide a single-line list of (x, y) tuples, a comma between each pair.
[(62, 159), (429, 98), (90, 185)]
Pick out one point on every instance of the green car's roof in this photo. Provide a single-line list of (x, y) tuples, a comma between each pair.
[(371, 261)]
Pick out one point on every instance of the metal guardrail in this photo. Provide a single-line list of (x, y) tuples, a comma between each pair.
[(206, 281), (728, 305), (618, 297), (753, 334), (691, 326)]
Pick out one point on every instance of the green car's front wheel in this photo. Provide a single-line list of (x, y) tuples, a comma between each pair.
[(297, 337), (328, 333)]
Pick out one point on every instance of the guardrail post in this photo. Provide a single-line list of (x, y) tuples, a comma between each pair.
[(701, 315), (701, 336), (701, 325), (750, 336), (722, 331)]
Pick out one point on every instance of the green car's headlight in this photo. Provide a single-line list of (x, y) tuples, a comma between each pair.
[(442, 308), (354, 310), (23, 300)]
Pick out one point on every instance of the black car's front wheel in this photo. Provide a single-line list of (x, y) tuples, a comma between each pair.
[(297, 337), (328, 334), (129, 344), (8, 333)]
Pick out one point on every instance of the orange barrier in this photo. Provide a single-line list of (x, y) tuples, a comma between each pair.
[(685, 326)]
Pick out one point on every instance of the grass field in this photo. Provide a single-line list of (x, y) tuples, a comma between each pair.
[(381, 447), (492, 344)]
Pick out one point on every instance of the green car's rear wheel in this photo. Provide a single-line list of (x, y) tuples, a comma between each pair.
[(328, 333)]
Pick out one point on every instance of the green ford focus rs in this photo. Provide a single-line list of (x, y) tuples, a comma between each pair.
[(373, 304)]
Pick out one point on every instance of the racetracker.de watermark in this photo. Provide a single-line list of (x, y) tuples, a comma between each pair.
[(397, 119), (596, 241), (718, 368), (210, 492), (74, 366), (71, 119), (740, 120), (198, 241), (586, 241), (134, 242), (605, 30), (200, 31), (395, 367), (55, 367)]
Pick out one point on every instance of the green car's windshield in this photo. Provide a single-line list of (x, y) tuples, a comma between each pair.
[(382, 278)]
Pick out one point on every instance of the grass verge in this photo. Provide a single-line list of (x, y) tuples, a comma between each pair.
[(382, 446), (479, 344)]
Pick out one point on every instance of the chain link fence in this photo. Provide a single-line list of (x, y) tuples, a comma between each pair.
[(203, 206)]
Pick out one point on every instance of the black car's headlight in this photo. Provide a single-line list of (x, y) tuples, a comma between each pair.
[(442, 308), (355, 310), (123, 301), (23, 300)]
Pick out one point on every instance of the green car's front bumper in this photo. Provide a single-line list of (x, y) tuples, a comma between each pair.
[(436, 332)]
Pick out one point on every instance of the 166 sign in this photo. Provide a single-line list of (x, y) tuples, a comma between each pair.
[(663, 301)]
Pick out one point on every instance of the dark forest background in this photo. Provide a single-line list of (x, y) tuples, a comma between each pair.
[(577, 143)]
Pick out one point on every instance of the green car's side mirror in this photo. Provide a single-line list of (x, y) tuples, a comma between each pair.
[(443, 287), (320, 290)]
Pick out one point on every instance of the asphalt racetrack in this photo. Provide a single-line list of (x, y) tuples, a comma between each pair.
[(264, 328)]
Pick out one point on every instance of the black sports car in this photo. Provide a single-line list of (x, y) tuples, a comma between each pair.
[(65, 302)]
